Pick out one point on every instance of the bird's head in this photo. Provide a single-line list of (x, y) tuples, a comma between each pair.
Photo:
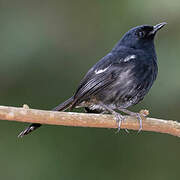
[(140, 36)]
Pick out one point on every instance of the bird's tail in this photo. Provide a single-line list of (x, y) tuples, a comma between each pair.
[(61, 107)]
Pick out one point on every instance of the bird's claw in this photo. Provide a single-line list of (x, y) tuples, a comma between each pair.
[(138, 115), (119, 118)]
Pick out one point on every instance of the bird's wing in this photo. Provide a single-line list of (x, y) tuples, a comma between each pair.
[(101, 75)]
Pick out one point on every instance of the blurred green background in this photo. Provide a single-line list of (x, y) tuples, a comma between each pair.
[(45, 49)]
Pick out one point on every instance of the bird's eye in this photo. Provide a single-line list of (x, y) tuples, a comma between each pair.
[(141, 34)]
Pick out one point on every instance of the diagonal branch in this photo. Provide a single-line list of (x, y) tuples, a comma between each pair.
[(86, 120)]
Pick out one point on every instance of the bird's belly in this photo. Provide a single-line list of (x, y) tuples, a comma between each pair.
[(124, 95)]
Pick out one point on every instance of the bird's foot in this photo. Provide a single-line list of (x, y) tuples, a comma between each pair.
[(119, 119), (137, 115)]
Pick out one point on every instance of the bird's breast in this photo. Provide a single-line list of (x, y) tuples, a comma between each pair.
[(131, 85)]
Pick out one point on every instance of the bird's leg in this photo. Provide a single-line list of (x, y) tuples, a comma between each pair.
[(119, 118), (138, 115)]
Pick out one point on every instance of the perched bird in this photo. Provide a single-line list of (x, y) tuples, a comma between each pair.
[(120, 79)]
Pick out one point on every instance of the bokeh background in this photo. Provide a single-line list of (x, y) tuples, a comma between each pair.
[(45, 49)]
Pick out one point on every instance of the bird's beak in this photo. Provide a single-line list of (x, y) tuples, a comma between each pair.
[(158, 27)]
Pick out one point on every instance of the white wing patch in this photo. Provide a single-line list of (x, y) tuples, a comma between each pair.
[(98, 71), (128, 58)]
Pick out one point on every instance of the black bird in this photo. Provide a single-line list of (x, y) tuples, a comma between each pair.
[(120, 79)]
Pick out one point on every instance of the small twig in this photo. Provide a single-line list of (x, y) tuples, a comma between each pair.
[(86, 120)]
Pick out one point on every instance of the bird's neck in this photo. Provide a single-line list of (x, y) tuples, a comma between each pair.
[(149, 48), (146, 47)]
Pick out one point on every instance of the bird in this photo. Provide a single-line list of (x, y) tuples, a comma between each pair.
[(119, 80)]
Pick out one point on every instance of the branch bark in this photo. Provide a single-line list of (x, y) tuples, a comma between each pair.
[(86, 120)]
